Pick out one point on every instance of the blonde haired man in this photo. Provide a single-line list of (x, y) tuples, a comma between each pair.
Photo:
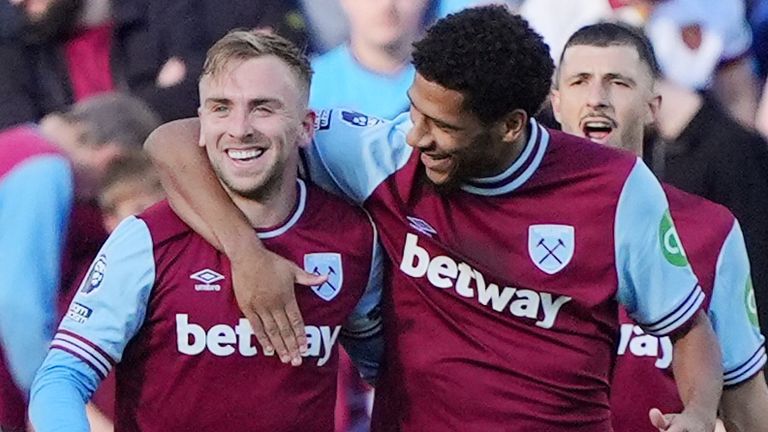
[(158, 303)]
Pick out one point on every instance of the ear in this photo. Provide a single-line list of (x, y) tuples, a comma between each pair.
[(554, 97), (654, 105), (110, 221), (307, 128), (514, 125), (200, 141)]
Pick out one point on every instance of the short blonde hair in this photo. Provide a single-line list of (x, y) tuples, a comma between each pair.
[(245, 45)]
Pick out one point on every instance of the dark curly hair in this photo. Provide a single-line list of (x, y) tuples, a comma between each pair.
[(492, 57)]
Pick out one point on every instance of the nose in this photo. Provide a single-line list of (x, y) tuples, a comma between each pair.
[(239, 126), (419, 136), (597, 96)]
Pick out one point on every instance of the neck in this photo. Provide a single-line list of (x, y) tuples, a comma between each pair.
[(272, 208), (507, 159), (383, 60), (678, 108)]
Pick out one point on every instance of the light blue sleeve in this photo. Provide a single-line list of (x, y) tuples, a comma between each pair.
[(35, 205), (362, 335), (106, 313), (353, 153), (656, 283), (733, 312)]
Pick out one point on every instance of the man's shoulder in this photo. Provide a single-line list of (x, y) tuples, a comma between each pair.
[(703, 215), (325, 208), (571, 155), (20, 144), (163, 223)]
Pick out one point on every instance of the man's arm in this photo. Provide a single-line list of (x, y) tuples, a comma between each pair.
[(698, 372), (263, 282), (743, 407), (362, 334), (36, 201), (661, 293), (744, 404), (106, 313)]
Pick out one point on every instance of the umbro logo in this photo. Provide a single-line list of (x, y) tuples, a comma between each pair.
[(207, 277), (421, 226)]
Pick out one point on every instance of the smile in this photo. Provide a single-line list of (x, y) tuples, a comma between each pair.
[(245, 155)]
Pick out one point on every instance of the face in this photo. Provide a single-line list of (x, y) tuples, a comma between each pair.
[(605, 94), (454, 143), (385, 23), (253, 118), (90, 159)]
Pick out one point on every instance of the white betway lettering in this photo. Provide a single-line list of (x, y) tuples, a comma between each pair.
[(221, 339), (443, 272), (641, 344)]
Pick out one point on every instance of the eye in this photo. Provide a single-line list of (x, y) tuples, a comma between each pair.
[(620, 83), (577, 82), (263, 109), (220, 109)]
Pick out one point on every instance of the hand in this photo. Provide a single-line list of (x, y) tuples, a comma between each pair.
[(683, 422), (264, 288), (173, 72)]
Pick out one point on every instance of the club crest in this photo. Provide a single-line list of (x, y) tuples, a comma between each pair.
[(329, 264), (551, 246)]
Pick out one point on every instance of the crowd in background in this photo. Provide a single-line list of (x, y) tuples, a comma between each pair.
[(92, 78)]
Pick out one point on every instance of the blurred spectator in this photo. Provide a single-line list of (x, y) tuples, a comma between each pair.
[(446, 7), (54, 52), (704, 151), (571, 15), (130, 186), (371, 73), (158, 53), (327, 29), (283, 17), (706, 43), (758, 20), (94, 134), (35, 202), (160, 44)]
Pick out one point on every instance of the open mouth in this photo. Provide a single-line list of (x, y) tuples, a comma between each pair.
[(597, 130), (245, 155)]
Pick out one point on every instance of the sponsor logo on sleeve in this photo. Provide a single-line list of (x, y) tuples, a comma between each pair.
[(551, 246), (323, 120), (79, 313), (671, 245), (95, 276), (328, 264), (358, 119), (749, 300)]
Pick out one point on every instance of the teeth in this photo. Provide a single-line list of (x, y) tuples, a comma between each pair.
[(245, 154), (599, 124)]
